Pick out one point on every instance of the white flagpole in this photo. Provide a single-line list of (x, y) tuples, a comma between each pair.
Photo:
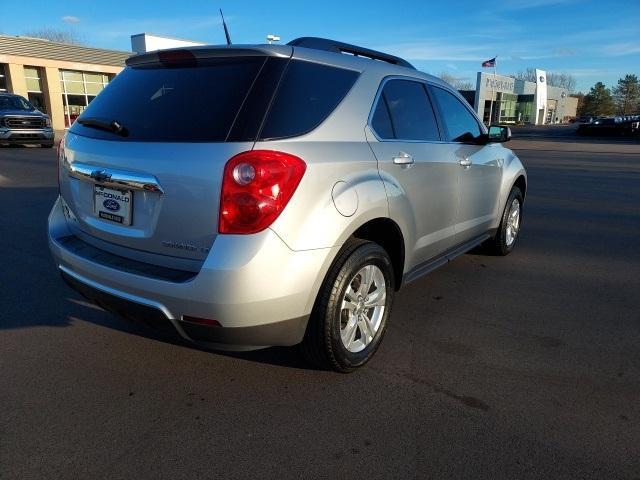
[(495, 66), (492, 91)]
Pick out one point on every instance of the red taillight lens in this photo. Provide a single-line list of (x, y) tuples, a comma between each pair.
[(59, 156), (256, 186)]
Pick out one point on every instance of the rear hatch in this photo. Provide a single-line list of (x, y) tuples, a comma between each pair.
[(142, 166)]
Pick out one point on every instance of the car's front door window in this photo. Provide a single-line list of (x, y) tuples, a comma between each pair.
[(461, 125)]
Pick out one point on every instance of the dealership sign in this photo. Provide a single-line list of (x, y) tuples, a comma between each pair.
[(503, 84)]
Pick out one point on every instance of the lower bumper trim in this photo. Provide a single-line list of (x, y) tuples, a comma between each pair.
[(284, 333), (125, 308)]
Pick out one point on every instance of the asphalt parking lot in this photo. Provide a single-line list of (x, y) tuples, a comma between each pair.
[(520, 367)]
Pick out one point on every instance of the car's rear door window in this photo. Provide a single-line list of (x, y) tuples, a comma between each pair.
[(307, 95), (409, 110), (381, 121)]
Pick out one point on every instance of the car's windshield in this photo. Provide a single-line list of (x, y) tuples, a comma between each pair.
[(10, 102)]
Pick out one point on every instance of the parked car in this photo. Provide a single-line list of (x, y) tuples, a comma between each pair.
[(583, 119), (300, 189), (22, 123), (610, 126)]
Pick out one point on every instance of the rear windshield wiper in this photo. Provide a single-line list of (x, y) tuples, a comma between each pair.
[(112, 126)]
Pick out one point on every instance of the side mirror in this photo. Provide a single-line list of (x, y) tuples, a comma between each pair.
[(498, 134)]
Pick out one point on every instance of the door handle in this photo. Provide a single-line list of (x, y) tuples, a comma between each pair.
[(466, 162), (403, 159)]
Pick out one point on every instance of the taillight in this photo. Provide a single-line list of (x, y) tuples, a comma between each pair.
[(256, 186), (59, 156)]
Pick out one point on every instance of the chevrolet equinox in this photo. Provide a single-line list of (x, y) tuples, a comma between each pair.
[(260, 195)]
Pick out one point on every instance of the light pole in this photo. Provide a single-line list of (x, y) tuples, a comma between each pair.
[(272, 38)]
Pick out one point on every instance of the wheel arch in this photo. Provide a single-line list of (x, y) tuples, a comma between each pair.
[(521, 183), (386, 233)]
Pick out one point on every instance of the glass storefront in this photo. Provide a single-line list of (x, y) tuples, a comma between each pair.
[(33, 79), (525, 111), (503, 109), (507, 106), (78, 89), (490, 110)]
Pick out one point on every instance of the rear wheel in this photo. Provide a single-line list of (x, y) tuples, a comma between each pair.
[(507, 234), (351, 312)]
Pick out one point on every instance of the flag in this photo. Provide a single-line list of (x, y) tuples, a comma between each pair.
[(489, 63)]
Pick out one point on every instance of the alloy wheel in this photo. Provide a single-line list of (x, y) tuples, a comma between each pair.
[(362, 308)]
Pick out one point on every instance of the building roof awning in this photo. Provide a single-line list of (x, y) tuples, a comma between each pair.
[(38, 48)]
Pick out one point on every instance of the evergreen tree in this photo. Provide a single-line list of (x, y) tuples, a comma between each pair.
[(598, 102), (627, 95)]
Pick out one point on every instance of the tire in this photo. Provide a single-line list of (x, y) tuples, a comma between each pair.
[(504, 241), (46, 145), (323, 344)]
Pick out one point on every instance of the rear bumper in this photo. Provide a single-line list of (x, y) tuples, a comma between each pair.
[(27, 136), (287, 332), (259, 290)]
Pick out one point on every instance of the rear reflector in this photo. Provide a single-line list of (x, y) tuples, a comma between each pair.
[(59, 157), (201, 321)]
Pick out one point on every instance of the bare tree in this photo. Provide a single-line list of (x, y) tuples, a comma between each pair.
[(55, 35), (459, 83), (528, 75), (562, 80)]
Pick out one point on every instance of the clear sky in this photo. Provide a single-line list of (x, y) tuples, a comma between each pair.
[(594, 40)]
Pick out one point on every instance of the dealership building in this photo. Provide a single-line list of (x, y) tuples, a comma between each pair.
[(59, 79), (508, 100)]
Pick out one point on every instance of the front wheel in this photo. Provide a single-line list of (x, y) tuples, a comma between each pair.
[(351, 312), (507, 234)]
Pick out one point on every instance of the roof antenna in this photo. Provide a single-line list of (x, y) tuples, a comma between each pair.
[(226, 31)]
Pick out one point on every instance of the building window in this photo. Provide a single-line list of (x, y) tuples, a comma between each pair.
[(33, 79), (525, 110), (508, 102), (503, 109), (78, 89), (3, 78)]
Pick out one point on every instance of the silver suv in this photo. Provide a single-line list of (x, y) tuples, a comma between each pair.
[(250, 196)]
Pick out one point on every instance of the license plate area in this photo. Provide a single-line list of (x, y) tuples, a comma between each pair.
[(112, 205)]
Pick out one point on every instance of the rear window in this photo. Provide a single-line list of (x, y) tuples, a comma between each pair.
[(186, 104), (307, 95), (224, 100)]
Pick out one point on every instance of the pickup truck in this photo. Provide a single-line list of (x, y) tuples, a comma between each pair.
[(22, 123)]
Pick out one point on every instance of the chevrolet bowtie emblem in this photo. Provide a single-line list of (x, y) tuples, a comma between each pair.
[(100, 175)]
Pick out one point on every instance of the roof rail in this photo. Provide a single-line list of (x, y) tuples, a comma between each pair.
[(338, 47)]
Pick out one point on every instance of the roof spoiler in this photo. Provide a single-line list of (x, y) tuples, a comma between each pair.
[(325, 44), (190, 56)]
